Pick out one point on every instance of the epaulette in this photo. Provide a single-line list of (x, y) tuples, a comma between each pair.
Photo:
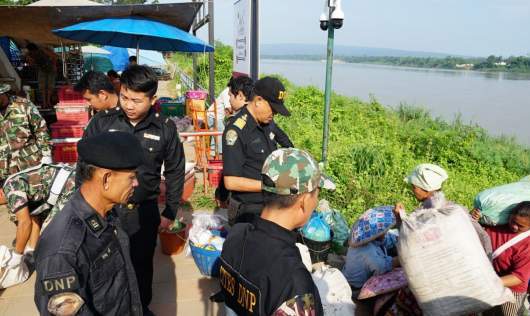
[(240, 122)]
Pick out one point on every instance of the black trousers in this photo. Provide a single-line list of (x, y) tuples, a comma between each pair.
[(142, 226)]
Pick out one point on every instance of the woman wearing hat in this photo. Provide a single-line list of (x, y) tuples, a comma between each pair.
[(368, 254), (426, 183)]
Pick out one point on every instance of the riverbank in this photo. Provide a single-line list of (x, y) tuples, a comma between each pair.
[(372, 147)]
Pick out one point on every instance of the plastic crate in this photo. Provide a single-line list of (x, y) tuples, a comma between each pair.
[(65, 150), (67, 94), (78, 113), (206, 260), (172, 109), (65, 130), (215, 172)]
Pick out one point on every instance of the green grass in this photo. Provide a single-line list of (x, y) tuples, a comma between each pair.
[(372, 147)]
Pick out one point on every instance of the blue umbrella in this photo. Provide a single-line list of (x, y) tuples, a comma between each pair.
[(134, 32)]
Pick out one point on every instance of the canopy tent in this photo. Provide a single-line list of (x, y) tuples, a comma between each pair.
[(63, 3), (35, 23)]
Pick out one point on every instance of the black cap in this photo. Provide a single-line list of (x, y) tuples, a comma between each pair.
[(272, 90), (111, 150)]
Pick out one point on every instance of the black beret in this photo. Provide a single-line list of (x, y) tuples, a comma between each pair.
[(111, 150)]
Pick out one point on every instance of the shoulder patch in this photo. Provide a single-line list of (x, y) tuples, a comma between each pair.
[(231, 137), (63, 304), (64, 283), (299, 305)]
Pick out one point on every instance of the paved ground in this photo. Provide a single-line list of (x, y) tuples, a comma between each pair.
[(179, 288)]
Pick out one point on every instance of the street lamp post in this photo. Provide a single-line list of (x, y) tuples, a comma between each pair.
[(330, 19)]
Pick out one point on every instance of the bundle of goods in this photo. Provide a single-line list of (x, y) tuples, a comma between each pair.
[(73, 114), (445, 264), (196, 104), (206, 238), (335, 292), (13, 270), (374, 223), (497, 203), (338, 225), (383, 283), (173, 240), (316, 235)]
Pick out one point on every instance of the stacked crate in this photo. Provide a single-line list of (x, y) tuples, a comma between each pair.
[(73, 113)]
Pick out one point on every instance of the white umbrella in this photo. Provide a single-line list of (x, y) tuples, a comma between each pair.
[(90, 49)]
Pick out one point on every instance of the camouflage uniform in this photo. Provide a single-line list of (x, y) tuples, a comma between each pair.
[(31, 188), (24, 138), (261, 271)]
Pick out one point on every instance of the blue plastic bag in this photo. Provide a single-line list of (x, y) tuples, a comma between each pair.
[(316, 228)]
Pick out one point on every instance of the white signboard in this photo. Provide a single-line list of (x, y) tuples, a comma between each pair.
[(242, 38)]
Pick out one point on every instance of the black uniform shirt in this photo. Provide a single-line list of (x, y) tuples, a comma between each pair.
[(81, 253), (246, 145), (161, 143), (262, 272)]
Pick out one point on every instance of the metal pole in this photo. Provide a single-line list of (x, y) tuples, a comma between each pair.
[(327, 92), (211, 40), (254, 42)]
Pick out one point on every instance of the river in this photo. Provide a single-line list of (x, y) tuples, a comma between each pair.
[(499, 102)]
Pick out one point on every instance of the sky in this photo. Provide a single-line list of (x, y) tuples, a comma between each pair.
[(460, 27)]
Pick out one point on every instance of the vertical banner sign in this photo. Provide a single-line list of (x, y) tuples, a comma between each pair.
[(242, 37)]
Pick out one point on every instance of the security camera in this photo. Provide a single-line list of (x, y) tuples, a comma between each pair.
[(337, 15), (324, 20)]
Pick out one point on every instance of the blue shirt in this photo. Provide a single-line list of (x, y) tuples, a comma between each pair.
[(364, 262)]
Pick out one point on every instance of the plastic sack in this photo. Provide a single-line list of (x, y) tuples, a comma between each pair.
[(497, 203), (11, 274), (337, 223), (306, 257), (446, 267), (316, 228), (335, 292)]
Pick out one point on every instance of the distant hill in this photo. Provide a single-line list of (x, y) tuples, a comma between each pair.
[(340, 50)]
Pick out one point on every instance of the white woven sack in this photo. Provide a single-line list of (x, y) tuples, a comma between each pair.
[(11, 274), (446, 267), (334, 290)]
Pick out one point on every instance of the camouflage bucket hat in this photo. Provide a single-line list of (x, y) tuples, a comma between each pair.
[(290, 171), (4, 87)]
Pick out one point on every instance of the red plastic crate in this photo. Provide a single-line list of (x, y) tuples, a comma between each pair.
[(79, 113), (64, 130), (67, 94), (215, 172), (65, 151)]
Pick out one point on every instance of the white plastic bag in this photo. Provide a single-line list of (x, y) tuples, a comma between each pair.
[(13, 271), (200, 232), (306, 257), (446, 267), (334, 290)]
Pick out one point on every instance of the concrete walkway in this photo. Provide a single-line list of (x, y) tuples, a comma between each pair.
[(178, 287)]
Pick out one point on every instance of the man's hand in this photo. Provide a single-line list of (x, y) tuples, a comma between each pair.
[(475, 214), (165, 224)]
